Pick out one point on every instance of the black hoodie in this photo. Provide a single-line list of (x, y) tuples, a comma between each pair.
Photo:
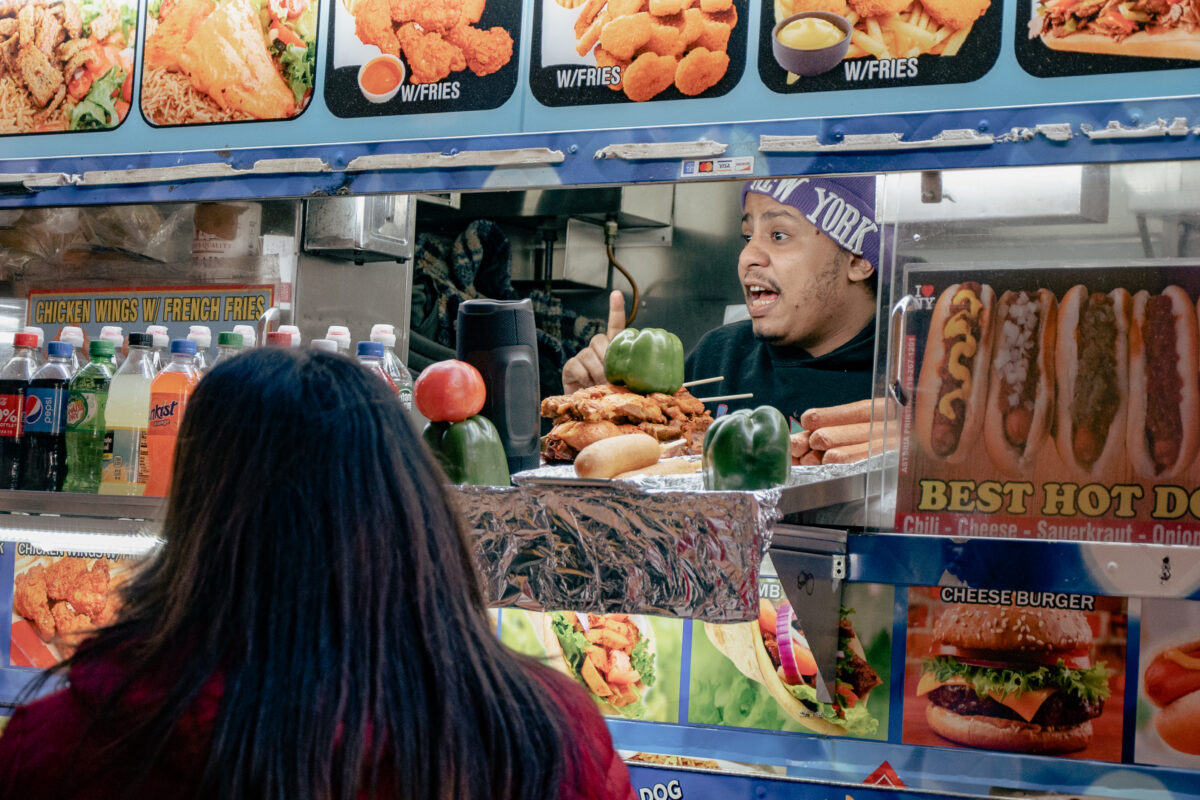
[(785, 377)]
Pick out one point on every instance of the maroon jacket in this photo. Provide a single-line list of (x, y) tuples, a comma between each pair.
[(41, 747)]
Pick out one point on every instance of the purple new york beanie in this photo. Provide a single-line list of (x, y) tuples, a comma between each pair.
[(841, 208)]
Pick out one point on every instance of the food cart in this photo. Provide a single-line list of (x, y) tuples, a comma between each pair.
[(133, 189)]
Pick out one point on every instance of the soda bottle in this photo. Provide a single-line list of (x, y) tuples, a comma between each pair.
[(370, 355), (202, 336), (39, 355), (292, 331), (44, 448), (168, 400), (125, 420), (114, 334), (392, 365), (14, 384), (249, 337), (228, 344), (85, 419), (278, 339), (162, 341), (341, 335), (324, 345), (74, 335)]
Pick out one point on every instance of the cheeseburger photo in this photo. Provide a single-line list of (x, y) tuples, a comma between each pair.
[(1013, 678)]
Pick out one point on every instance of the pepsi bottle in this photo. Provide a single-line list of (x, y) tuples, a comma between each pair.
[(14, 384), (44, 449)]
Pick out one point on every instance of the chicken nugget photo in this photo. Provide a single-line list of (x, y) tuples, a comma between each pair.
[(589, 52), (421, 56), (839, 45)]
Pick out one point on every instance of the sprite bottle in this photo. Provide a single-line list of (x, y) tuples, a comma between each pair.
[(85, 419)]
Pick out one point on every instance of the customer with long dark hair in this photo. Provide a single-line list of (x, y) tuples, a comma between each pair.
[(312, 627)]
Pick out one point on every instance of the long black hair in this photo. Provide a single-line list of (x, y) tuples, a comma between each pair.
[(314, 562)]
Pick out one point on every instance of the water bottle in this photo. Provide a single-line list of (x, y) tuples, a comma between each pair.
[(341, 335), (168, 400), (85, 420), (228, 344), (392, 365), (44, 448), (14, 384), (249, 337), (125, 420), (114, 334), (39, 354), (324, 345), (292, 331), (202, 336), (370, 355), (162, 340), (74, 335)]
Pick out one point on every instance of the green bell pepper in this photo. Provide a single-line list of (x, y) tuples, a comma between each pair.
[(649, 360), (470, 451), (747, 450)]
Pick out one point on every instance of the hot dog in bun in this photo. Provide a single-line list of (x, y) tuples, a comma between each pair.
[(773, 651), (1013, 678), (1148, 28), (1092, 365), (1172, 682), (1163, 433), (1020, 403), (953, 385)]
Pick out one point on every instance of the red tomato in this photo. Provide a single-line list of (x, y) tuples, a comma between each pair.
[(805, 663), (449, 391), (127, 87)]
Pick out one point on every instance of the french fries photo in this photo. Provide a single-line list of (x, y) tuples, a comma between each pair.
[(896, 29)]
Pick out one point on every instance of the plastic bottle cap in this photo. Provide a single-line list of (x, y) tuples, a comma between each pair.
[(228, 339), (370, 349), (100, 347), (293, 331), (339, 334), (161, 339), (25, 340), (249, 337), (72, 334), (183, 346), (60, 349), (141, 340), (384, 334), (324, 345), (201, 335), (111, 331), (279, 339), (37, 332), (153, 329)]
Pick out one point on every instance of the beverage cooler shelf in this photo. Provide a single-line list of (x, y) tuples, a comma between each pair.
[(65, 521)]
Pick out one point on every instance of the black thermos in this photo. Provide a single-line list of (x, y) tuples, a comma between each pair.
[(499, 339)]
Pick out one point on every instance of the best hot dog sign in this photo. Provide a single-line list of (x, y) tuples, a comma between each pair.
[(1054, 404)]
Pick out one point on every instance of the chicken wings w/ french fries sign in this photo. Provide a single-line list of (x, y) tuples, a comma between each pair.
[(892, 43)]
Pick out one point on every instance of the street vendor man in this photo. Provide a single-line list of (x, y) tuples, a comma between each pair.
[(807, 272)]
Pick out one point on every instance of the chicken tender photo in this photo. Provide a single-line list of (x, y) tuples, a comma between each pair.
[(65, 598), (658, 44)]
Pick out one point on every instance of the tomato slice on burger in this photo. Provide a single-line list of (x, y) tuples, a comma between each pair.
[(1078, 658)]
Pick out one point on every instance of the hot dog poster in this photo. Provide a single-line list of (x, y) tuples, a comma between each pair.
[(1168, 705), (1052, 404)]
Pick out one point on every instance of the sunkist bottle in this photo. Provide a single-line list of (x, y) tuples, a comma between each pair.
[(74, 335), (162, 340), (249, 336), (202, 336), (39, 354), (85, 419), (228, 344), (114, 334), (370, 355), (14, 384), (168, 400), (341, 335), (44, 447), (392, 365), (125, 420)]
